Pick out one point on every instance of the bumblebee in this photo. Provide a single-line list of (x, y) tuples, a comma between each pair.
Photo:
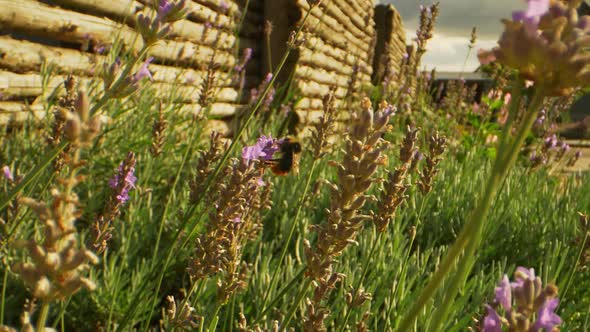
[(289, 158)]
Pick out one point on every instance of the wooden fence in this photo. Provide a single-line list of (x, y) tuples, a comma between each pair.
[(70, 36)]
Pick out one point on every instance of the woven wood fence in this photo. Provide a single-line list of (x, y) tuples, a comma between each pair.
[(70, 36)]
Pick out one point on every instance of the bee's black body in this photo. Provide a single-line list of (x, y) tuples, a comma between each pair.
[(289, 160)]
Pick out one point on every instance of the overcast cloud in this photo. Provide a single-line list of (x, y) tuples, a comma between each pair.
[(448, 49)]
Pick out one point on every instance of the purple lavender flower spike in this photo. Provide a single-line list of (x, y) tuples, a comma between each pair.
[(123, 182), (246, 57), (523, 274), (547, 319), (263, 150), (144, 71), (492, 321), (504, 294), (164, 9), (551, 142), (7, 173)]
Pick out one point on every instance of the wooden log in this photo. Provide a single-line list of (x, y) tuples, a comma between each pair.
[(331, 30), (216, 110), (332, 42), (357, 18), (22, 56), (327, 63), (318, 90), (341, 55), (38, 19), (329, 8), (18, 86), (122, 9), (319, 75), (229, 8), (18, 112), (309, 116), (362, 6), (315, 103), (182, 30)]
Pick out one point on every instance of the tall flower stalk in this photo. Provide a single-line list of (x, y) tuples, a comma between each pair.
[(58, 263), (323, 129), (363, 155), (547, 31)]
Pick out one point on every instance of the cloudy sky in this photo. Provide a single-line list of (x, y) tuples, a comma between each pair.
[(448, 48)]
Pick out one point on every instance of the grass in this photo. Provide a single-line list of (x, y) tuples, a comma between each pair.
[(533, 223)]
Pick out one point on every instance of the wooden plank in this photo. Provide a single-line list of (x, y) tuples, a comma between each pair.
[(327, 63), (38, 19), (329, 29), (18, 112), (340, 55), (22, 56), (322, 76), (330, 8), (18, 86)]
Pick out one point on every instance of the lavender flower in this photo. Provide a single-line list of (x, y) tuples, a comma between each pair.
[(532, 303), (7, 173), (504, 293), (551, 142), (164, 8), (263, 150), (123, 181), (546, 44), (246, 57), (171, 11), (143, 71), (492, 322), (532, 15), (546, 317)]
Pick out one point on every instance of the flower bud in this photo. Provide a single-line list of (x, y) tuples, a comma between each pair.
[(42, 288), (73, 128), (82, 105)]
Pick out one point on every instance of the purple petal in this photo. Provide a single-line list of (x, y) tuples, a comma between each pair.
[(504, 294), (546, 317), (164, 8), (492, 321), (7, 173), (144, 71), (533, 13), (264, 149)]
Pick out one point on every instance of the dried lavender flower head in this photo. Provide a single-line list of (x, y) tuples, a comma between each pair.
[(523, 305)]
